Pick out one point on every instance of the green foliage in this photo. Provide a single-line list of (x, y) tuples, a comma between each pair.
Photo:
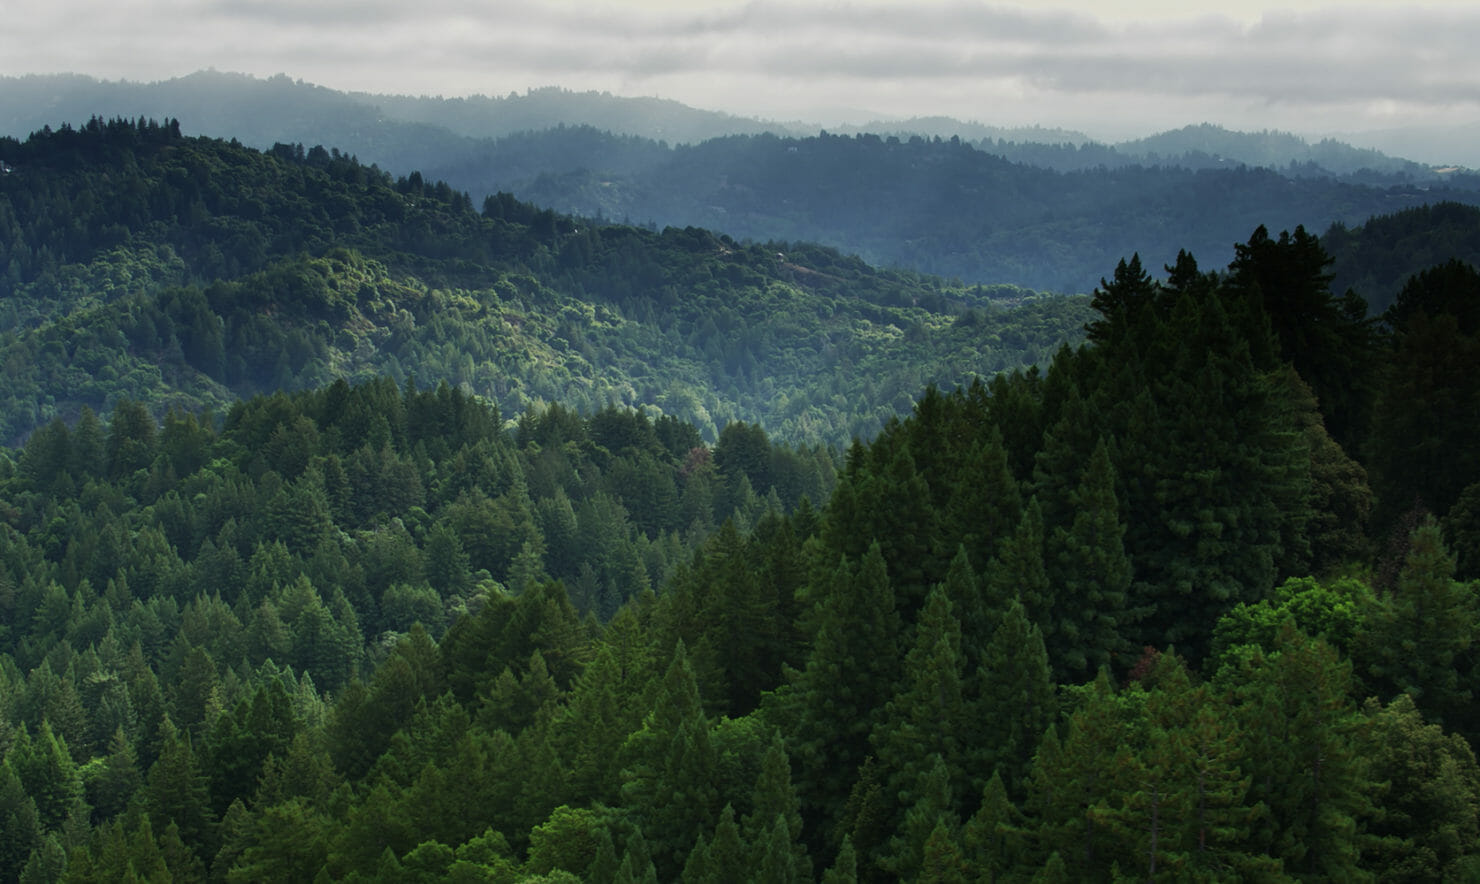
[(197, 295), (1417, 637), (369, 630), (1427, 805)]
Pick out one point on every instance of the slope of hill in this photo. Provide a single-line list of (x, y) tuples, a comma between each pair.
[(1375, 258), (187, 272), (1209, 146), (944, 206)]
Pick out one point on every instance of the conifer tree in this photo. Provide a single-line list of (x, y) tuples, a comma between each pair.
[(1120, 300), (1018, 572), (1091, 574), (114, 784), (1012, 700), (1293, 705), (729, 859), (1074, 781), (669, 780), (991, 839), (176, 791), (929, 808), (829, 708), (942, 862), (604, 864), (844, 869), (47, 863), (775, 799), (978, 622), (48, 775), (925, 723), (1416, 640), (985, 502), (20, 828), (1427, 801)]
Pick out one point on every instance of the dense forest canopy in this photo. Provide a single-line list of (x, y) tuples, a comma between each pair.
[(189, 272), (1193, 599)]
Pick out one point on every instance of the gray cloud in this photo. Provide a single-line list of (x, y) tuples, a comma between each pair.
[(1335, 68)]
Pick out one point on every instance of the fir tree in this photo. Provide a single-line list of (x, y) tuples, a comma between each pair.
[(830, 707), (1013, 700)]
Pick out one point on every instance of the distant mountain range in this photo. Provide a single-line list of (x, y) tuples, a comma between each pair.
[(260, 112), (1043, 208)]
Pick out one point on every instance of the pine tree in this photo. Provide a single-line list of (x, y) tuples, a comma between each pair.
[(985, 503), (47, 863), (1427, 801), (1075, 781), (1019, 573), (114, 785), (830, 707), (729, 859), (1091, 574), (1012, 700), (978, 622), (1416, 640), (669, 781), (942, 862), (991, 839), (48, 774), (774, 804), (20, 829), (844, 869), (1201, 753), (1121, 300), (176, 791), (929, 808), (1293, 706)]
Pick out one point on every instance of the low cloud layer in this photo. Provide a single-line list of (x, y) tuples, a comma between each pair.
[(1333, 69)]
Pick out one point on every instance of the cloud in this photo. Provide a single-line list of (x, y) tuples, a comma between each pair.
[(1018, 64)]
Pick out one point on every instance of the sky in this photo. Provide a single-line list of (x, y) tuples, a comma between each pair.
[(1113, 70)]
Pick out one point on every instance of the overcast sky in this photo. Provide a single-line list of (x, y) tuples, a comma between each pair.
[(1112, 69)]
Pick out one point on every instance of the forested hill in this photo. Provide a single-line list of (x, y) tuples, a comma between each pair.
[(1378, 257), (188, 272), (1036, 208), (947, 207), (1195, 601)]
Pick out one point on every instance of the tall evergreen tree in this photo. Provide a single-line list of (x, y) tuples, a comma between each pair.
[(669, 778), (1091, 573), (1418, 638), (1012, 701), (176, 791), (1294, 707), (925, 722), (830, 707)]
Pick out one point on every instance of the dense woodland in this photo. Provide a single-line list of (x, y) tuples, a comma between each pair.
[(1038, 208), (1193, 600), (135, 262)]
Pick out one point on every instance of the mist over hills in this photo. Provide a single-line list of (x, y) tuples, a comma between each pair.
[(1042, 208)]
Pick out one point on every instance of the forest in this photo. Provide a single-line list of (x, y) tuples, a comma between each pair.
[(1038, 208), (1192, 598), (191, 272)]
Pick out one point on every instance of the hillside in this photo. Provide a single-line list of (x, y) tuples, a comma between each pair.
[(1042, 209), (1209, 146), (1378, 256), (188, 272), (945, 207), (375, 632)]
